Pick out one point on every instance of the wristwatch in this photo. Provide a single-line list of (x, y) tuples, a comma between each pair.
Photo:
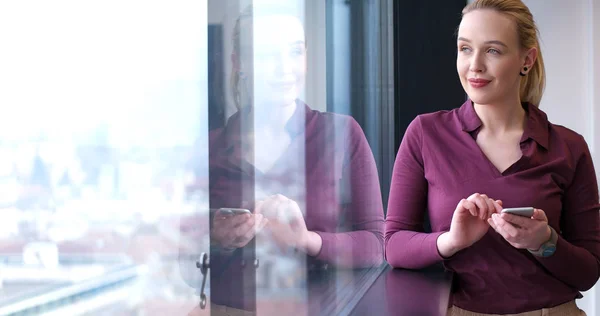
[(548, 248)]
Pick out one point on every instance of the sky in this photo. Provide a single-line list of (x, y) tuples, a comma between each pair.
[(139, 67)]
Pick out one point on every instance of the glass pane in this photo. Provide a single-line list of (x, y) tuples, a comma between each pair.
[(296, 209), (102, 149), (186, 158)]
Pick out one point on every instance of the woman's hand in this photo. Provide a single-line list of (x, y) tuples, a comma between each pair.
[(469, 223), (523, 232), (287, 225), (235, 231)]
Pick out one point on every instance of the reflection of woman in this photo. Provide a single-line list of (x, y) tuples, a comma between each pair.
[(498, 150), (309, 177)]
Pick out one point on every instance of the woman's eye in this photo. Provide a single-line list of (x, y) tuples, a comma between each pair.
[(494, 51), (465, 49)]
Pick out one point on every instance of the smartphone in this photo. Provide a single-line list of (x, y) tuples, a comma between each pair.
[(521, 211), (234, 211)]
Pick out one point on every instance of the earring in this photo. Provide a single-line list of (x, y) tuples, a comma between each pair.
[(523, 74), (242, 74)]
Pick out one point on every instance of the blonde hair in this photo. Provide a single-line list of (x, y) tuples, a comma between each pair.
[(264, 9), (533, 84)]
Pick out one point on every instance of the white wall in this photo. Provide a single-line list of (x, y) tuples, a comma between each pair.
[(570, 33), (316, 78)]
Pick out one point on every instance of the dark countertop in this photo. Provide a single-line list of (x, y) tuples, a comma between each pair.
[(373, 292), (406, 292), (380, 291)]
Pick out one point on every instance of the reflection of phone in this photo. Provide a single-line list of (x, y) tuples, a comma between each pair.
[(521, 211), (233, 211)]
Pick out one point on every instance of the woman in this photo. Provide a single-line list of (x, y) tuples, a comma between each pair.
[(498, 150), (308, 178)]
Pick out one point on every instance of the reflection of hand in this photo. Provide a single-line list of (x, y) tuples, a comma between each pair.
[(469, 223), (287, 225), (235, 231), (523, 232)]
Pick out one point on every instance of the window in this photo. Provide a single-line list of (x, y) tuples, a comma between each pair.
[(132, 132)]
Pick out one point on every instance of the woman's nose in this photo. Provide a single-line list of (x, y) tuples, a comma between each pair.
[(476, 64), (283, 64)]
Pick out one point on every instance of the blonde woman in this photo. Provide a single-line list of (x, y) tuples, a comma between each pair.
[(498, 150)]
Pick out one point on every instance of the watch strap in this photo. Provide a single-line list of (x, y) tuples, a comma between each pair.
[(549, 247)]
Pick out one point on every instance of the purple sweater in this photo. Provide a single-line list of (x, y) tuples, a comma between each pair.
[(337, 188), (439, 163)]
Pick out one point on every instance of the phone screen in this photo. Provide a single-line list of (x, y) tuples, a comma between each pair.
[(521, 211)]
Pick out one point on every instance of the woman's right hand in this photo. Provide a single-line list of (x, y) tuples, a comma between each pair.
[(469, 223), (235, 231)]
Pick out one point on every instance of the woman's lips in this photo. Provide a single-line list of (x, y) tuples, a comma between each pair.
[(479, 83)]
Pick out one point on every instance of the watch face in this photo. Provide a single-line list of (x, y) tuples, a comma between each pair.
[(548, 251)]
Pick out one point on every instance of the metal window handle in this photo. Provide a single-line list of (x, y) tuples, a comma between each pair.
[(203, 264)]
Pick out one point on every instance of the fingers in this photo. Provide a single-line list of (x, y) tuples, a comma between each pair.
[(258, 207), (498, 205), (499, 230), (520, 231), (469, 206), (278, 206), (243, 239), (520, 221), (242, 228), (246, 231), (291, 212), (270, 207), (236, 230), (238, 220), (492, 223), (481, 207), (491, 208), (263, 222), (506, 229), (281, 208), (484, 205), (539, 215)]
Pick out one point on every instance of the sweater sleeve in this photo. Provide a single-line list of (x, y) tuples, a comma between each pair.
[(406, 245), (576, 261)]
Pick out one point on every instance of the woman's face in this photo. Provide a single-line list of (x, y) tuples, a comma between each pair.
[(273, 60), (490, 57)]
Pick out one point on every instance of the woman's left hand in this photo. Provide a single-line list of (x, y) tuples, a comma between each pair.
[(522, 232)]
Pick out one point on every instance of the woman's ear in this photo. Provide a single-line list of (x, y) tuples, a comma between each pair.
[(530, 57)]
